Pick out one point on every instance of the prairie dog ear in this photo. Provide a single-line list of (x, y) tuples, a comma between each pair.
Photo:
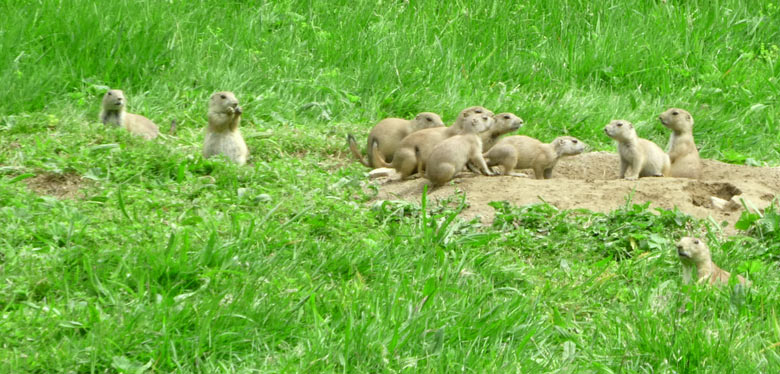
[(688, 116)]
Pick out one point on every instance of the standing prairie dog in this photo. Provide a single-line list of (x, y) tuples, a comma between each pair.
[(451, 155), (694, 252), (523, 152), (645, 158), (222, 134), (415, 148), (113, 112), (682, 150), (386, 135)]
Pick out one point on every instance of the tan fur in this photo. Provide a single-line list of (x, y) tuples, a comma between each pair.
[(405, 159), (643, 157), (384, 138), (113, 112), (694, 253), (505, 123), (523, 152), (682, 150), (222, 134), (451, 155)]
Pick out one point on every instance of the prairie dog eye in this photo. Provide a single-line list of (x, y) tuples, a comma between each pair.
[(696, 241), (675, 113), (506, 117), (109, 94), (619, 124), (574, 141), (478, 111), (428, 119), (223, 96)]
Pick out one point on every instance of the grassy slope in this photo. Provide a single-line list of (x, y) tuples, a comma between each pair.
[(196, 265)]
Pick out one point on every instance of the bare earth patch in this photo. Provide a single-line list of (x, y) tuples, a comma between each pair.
[(61, 186), (590, 181)]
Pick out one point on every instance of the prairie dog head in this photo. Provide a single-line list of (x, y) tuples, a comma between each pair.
[(693, 251), (568, 146), (507, 122), (620, 130), (677, 120), (476, 123), (114, 100), (468, 112), (426, 120), (224, 102)]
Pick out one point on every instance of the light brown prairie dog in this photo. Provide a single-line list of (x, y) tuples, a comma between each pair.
[(645, 158), (405, 158), (451, 155), (523, 152), (222, 134), (505, 123), (694, 252), (113, 112), (386, 136), (682, 150)]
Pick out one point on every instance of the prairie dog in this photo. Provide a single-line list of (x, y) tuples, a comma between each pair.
[(222, 134), (505, 123), (451, 155), (113, 112), (419, 144), (384, 138), (523, 152), (645, 158), (694, 252), (682, 150)]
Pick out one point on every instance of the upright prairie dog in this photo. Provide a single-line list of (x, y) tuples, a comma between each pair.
[(419, 144), (386, 136), (645, 158), (682, 150), (505, 123), (695, 253), (523, 152), (451, 155), (113, 112), (222, 134)]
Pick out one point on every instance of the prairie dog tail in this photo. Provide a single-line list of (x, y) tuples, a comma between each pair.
[(352, 144), (379, 161)]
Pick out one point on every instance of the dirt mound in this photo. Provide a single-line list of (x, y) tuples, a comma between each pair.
[(61, 186), (591, 181)]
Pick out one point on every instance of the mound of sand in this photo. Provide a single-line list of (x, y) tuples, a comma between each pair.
[(591, 181)]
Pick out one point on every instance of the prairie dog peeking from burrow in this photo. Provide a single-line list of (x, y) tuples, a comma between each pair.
[(694, 253)]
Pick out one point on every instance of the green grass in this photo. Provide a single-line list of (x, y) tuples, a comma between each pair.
[(166, 262)]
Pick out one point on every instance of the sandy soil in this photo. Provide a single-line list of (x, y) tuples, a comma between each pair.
[(591, 181)]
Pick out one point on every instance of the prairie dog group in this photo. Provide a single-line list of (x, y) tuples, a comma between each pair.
[(222, 133), (113, 112), (643, 157), (682, 150), (386, 136), (451, 155), (523, 152), (694, 253), (415, 148)]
